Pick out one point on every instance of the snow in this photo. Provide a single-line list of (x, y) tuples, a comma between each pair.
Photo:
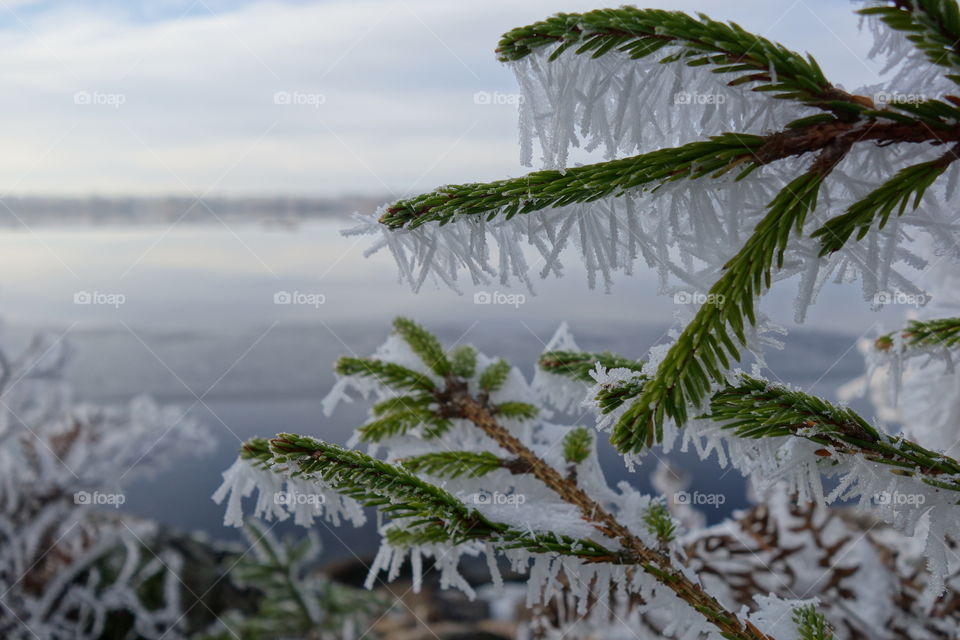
[(66, 562), (626, 106)]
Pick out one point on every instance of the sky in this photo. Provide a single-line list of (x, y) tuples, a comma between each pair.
[(211, 97), (238, 98)]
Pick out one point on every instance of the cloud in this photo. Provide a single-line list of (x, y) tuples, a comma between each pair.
[(115, 98)]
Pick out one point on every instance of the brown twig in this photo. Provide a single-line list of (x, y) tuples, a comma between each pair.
[(456, 400)]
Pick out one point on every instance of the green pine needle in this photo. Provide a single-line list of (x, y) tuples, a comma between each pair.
[(659, 523), (411, 535), (401, 495), (577, 365), (933, 26), (402, 403), (577, 445), (728, 48), (544, 189), (257, 450), (463, 361), (755, 408), (401, 421), (811, 625), (424, 344), (516, 410), (612, 397), (386, 373), (453, 464), (494, 376), (709, 343), (943, 333), (896, 193), (370, 481)]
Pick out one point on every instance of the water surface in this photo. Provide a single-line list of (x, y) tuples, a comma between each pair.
[(198, 326)]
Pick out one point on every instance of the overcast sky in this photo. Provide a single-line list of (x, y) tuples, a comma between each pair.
[(118, 97)]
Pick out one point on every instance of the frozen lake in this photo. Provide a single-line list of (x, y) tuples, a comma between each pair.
[(187, 315)]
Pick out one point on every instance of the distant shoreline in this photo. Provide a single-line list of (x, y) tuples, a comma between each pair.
[(95, 210)]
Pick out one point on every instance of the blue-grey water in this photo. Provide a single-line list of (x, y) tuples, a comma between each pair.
[(198, 320)]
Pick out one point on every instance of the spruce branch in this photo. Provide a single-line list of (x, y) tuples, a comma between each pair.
[(936, 113), (437, 515), (434, 514), (727, 47), (453, 464), (894, 194), (257, 452), (577, 365), (404, 534), (493, 377), (549, 542), (398, 415), (577, 445), (612, 397), (712, 158), (402, 403), (660, 524), (434, 532), (463, 361), (370, 481), (431, 514), (754, 408), (386, 373), (516, 410), (475, 409), (464, 405), (918, 334), (401, 420), (545, 189), (706, 346), (933, 26), (424, 344)]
